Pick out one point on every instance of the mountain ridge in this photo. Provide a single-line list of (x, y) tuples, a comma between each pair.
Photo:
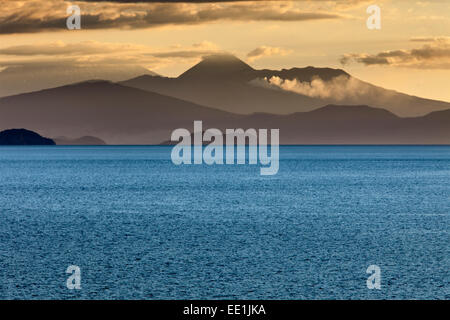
[(125, 115)]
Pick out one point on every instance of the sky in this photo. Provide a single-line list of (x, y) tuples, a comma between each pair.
[(410, 53)]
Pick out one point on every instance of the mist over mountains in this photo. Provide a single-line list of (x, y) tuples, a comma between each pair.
[(39, 77), (309, 106), (227, 83)]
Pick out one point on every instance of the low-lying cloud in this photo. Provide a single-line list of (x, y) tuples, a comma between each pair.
[(339, 88)]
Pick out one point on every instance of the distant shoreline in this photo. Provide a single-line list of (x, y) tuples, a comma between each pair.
[(281, 145)]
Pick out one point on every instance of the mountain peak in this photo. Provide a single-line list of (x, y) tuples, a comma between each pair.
[(223, 58), (217, 65)]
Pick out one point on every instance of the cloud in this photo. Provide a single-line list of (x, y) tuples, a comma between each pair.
[(339, 88), (174, 1), (88, 53), (433, 55), (265, 51), (431, 39), (61, 48), (346, 2), (38, 15)]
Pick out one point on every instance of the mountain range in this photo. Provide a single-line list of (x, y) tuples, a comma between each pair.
[(227, 83), (224, 92)]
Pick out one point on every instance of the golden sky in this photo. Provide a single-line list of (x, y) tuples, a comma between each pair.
[(410, 53)]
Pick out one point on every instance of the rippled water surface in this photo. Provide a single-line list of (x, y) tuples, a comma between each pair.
[(140, 227)]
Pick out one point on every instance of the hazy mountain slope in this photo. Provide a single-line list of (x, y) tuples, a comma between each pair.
[(227, 83), (37, 77), (112, 112), (221, 66), (236, 97)]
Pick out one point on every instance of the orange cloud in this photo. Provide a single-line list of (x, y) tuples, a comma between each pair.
[(265, 51), (433, 55), (38, 15)]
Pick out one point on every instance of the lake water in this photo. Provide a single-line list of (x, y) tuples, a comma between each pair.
[(140, 227)]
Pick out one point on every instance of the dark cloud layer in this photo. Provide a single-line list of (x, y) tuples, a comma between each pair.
[(36, 16), (206, 1), (434, 55), (182, 1)]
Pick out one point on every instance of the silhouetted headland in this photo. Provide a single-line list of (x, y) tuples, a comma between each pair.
[(16, 137)]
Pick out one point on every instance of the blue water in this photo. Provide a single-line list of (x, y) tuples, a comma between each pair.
[(140, 227)]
